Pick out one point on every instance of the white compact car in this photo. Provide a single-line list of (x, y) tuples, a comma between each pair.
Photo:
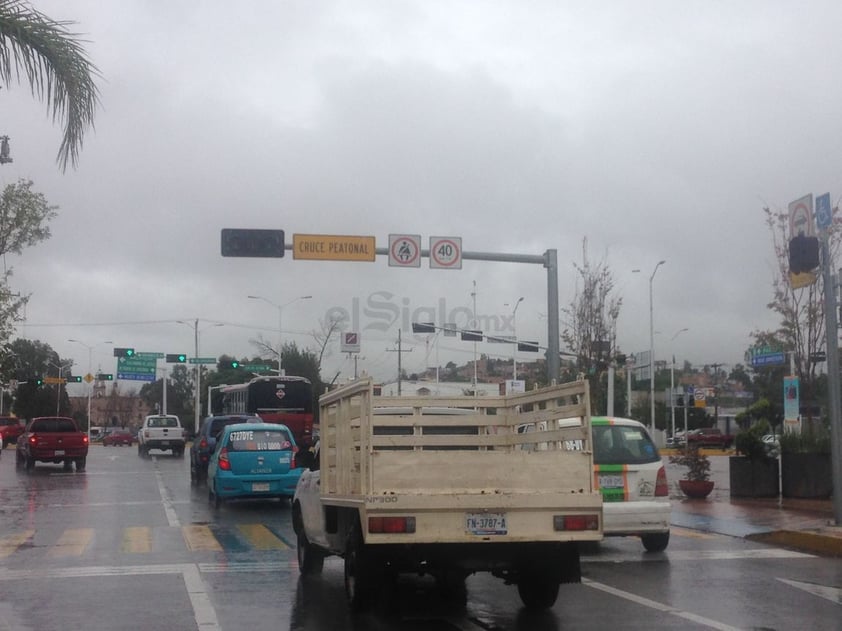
[(632, 480)]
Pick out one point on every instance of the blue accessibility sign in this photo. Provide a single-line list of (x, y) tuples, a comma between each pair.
[(824, 214)]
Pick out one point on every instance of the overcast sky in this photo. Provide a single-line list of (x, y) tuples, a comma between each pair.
[(655, 130)]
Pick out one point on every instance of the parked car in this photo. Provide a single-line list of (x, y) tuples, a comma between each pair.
[(632, 480), (709, 437), (205, 441), (118, 437), (10, 428), (253, 460)]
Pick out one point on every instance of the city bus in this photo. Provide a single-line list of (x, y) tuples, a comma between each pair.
[(287, 400)]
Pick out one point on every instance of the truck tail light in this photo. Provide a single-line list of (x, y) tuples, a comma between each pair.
[(662, 488), (391, 525), (576, 522), (85, 439), (224, 463)]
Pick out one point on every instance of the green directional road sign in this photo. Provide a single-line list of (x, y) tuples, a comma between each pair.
[(148, 355), (255, 367), (201, 360), (137, 368)]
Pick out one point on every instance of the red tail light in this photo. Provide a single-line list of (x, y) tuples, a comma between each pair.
[(292, 464), (575, 522), (203, 444), (85, 439), (662, 488), (224, 463), (391, 525), (33, 439)]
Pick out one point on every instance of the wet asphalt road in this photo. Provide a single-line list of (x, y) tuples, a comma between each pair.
[(130, 544)]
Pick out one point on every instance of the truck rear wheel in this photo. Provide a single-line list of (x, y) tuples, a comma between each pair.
[(538, 590), (30, 464), (359, 580), (80, 463), (311, 560), (656, 541)]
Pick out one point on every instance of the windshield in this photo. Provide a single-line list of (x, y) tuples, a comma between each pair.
[(273, 439), (622, 444)]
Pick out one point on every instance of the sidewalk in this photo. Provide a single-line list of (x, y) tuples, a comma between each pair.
[(805, 525)]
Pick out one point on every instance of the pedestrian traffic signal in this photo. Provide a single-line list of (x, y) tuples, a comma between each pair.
[(102, 376), (76, 379), (255, 243), (123, 352), (230, 364), (803, 254), (176, 358)]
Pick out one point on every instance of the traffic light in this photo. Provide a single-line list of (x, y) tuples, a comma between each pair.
[(255, 243), (76, 379), (38, 381), (229, 364), (176, 358), (103, 376), (123, 352), (803, 254)]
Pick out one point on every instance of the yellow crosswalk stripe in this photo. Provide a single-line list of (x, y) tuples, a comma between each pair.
[(72, 542), (261, 538), (137, 540), (200, 538), (10, 543)]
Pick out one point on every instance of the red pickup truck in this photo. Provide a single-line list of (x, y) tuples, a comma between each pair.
[(709, 437), (10, 428), (56, 439)]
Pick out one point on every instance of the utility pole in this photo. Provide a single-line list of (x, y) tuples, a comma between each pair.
[(400, 352)]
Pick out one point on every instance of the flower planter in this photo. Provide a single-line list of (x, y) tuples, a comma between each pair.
[(806, 475), (696, 489), (756, 477)]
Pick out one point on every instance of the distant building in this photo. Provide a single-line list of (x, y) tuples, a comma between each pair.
[(111, 409)]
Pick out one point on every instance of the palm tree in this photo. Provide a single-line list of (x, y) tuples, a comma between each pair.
[(54, 62)]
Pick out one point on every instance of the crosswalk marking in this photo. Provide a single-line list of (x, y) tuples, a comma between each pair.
[(261, 538), (200, 538), (72, 542), (10, 543), (137, 540)]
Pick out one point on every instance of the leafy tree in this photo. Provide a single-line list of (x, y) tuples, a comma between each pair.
[(24, 215), (26, 360), (56, 66)]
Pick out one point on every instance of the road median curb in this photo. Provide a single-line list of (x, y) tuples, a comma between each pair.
[(812, 542)]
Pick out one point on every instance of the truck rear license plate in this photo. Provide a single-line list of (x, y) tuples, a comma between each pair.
[(486, 523), (165, 443), (260, 486), (59, 452), (611, 482)]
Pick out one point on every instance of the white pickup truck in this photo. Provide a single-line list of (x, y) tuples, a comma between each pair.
[(161, 431), (449, 487)]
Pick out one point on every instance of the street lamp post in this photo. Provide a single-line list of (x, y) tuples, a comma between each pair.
[(280, 309), (90, 348), (652, 352), (60, 368)]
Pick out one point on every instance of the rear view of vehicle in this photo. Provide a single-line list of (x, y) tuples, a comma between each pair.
[(253, 460), (205, 442), (10, 429), (632, 480)]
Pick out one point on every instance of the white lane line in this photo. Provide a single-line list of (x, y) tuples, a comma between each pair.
[(203, 611), (653, 604), (833, 594), (699, 555), (166, 500)]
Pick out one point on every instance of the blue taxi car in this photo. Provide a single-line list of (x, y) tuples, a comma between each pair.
[(253, 460)]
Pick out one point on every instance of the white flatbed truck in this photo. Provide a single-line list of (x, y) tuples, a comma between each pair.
[(449, 487)]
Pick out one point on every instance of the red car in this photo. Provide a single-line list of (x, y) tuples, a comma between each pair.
[(10, 429), (118, 437)]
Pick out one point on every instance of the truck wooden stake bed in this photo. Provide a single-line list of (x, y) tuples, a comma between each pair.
[(449, 487)]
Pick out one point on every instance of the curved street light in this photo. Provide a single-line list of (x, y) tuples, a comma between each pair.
[(90, 348)]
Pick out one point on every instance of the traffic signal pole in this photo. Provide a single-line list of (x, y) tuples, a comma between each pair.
[(832, 332)]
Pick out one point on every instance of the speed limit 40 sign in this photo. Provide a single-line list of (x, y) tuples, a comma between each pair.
[(446, 252)]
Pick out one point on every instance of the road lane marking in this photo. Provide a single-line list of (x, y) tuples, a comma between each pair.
[(166, 499), (200, 538), (203, 611), (697, 555), (72, 543), (261, 538), (10, 543), (833, 594), (137, 540), (653, 604)]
